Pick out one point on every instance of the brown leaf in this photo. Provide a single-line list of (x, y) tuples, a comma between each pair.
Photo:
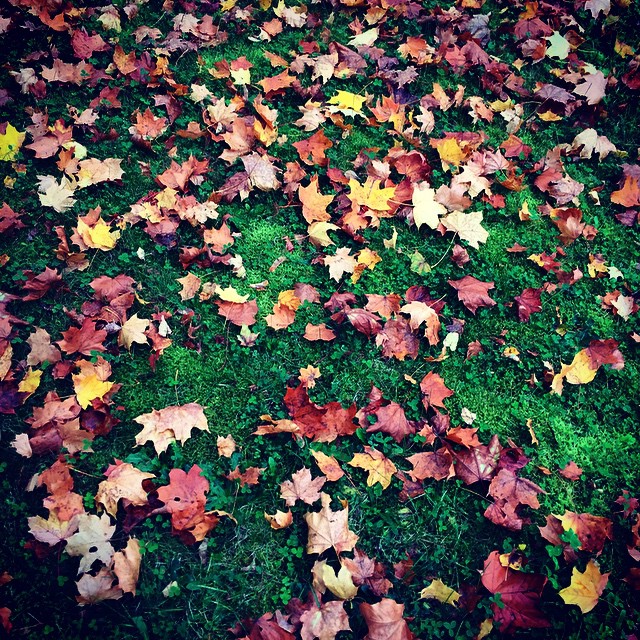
[(385, 621), (185, 498), (170, 424), (329, 529), (432, 464), (83, 340), (124, 482), (473, 293), (324, 622), (238, 313), (479, 463), (328, 465), (126, 566), (397, 340), (250, 476), (434, 390), (301, 487)]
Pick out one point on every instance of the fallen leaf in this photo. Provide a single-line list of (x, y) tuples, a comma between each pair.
[(377, 465), (585, 588), (170, 424), (329, 529)]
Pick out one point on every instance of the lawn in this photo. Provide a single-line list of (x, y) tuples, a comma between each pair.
[(320, 320)]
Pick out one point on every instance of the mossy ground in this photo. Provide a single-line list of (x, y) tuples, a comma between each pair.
[(247, 569)]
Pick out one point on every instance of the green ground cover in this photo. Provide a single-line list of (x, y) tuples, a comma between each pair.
[(432, 92)]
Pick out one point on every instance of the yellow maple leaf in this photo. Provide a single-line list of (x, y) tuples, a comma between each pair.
[(585, 588), (10, 142), (340, 584), (318, 235), (88, 387), (370, 194), (438, 590), (31, 381), (349, 103), (450, 152), (380, 468), (99, 236), (580, 371)]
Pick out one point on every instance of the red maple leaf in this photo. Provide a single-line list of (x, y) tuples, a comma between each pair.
[(473, 293), (519, 595), (83, 340)]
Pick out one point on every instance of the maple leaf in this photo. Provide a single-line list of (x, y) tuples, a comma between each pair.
[(509, 487), (390, 419), (53, 530), (10, 142), (397, 340), (313, 150), (378, 466), (432, 464), (98, 588), (93, 232), (425, 208), (592, 87), (592, 531), (528, 303), (340, 263), (318, 235), (250, 476), (190, 286), (519, 595), (240, 314), (91, 382), (478, 463), (421, 312), (124, 482), (177, 176), (370, 194), (262, 174), (91, 541), (629, 194), (314, 204), (301, 487), (329, 529), (83, 340), (93, 171), (170, 424), (348, 103), (226, 446), (185, 498), (57, 195), (434, 390), (340, 584), (385, 620), (585, 588), (324, 621), (328, 465), (133, 330), (559, 46), (439, 591), (473, 293), (467, 226), (280, 519), (126, 566), (41, 348), (314, 333)]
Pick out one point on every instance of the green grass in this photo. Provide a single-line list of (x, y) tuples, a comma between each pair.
[(245, 569)]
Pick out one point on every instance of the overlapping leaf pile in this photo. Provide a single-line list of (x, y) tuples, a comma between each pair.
[(443, 134)]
